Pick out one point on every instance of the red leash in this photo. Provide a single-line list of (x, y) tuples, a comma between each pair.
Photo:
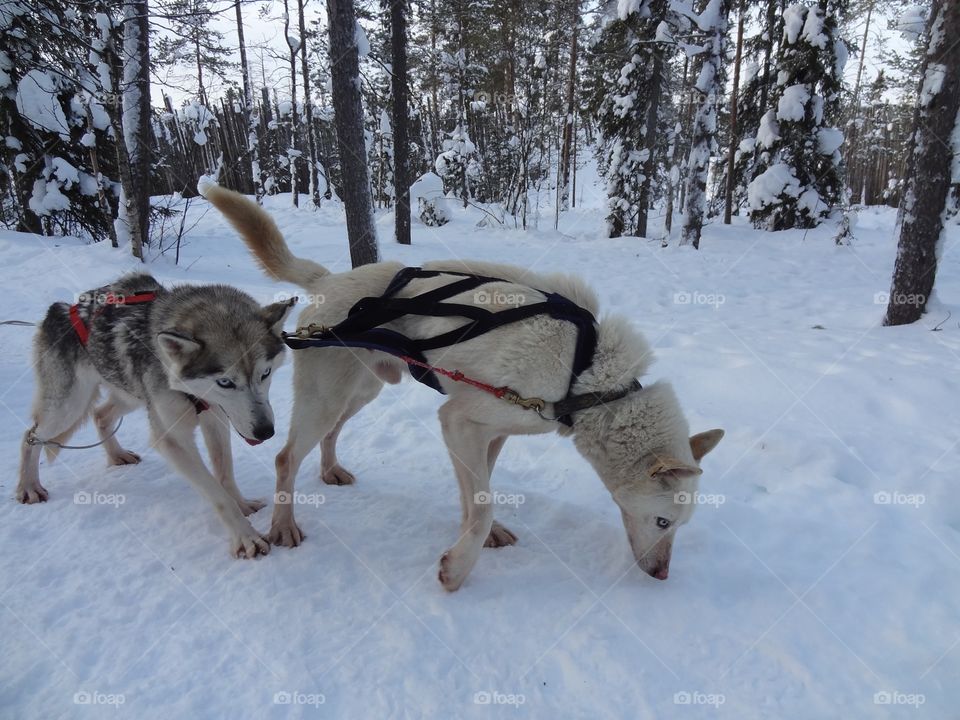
[(83, 332), (503, 392)]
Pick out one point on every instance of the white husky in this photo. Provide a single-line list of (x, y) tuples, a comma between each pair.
[(639, 444)]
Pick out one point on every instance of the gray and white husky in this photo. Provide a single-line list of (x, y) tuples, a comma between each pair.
[(193, 355), (640, 444)]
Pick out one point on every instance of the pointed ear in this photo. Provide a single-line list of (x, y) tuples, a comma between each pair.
[(177, 347), (704, 442), (276, 313), (664, 465)]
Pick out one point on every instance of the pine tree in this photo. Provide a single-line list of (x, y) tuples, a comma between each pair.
[(625, 100), (709, 86), (798, 179)]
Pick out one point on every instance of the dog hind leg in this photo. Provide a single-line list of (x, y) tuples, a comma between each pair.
[(468, 444), (331, 471), (63, 402), (500, 536)]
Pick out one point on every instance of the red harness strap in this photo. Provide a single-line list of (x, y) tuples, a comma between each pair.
[(83, 332), (458, 376)]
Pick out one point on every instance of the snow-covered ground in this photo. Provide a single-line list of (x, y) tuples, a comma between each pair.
[(819, 579)]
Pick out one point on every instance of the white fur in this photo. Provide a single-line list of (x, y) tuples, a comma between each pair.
[(639, 445)]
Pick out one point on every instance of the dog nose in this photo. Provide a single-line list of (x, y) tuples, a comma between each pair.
[(263, 432), (660, 573)]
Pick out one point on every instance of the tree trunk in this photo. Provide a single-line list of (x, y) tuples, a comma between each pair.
[(136, 122), (294, 123), (734, 99), (709, 85), (251, 116), (928, 185), (312, 159), (348, 121), (401, 142), (563, 189), (649, 164)]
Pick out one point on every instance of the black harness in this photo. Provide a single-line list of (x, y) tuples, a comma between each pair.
[(362, 328)]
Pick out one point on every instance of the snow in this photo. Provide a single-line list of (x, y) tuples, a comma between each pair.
[(829, 140), (792, 105), (769, 131), (793, 21), (38, 103), (932, 82), (813, 29), (428, 186), (771, 184), (363, 44), (912, 22), (818, 578)]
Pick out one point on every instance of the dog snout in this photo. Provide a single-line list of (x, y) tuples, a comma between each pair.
[(263, 431), (660, 573)]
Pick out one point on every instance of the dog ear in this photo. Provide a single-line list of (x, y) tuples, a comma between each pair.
[(178, 347), (276, 313), (704, 442), (665, 464)]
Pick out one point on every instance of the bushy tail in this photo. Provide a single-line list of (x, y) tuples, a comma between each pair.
[(263, 237)]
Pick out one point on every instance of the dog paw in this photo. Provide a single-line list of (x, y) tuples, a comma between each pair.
[(451, 573), (337, 475), (249, 507), (32, 494), (124, 457), (499, 536), (250, 544), (287, 534)]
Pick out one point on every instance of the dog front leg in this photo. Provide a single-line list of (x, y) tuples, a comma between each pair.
[(216, 434), (181, 451), (468, 444)]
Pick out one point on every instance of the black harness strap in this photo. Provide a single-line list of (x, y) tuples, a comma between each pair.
[(362, 326)]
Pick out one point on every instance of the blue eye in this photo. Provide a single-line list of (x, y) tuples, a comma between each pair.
[(226, 383), (266, 374), (663, 523)]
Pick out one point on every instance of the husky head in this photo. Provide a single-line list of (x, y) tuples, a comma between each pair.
[(641, 447), (222, 347)]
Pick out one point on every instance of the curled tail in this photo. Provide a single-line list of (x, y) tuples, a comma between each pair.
[(263, 237)]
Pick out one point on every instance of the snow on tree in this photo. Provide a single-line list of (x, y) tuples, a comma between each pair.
[(709, 85), (625, 101), (798, 177)]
